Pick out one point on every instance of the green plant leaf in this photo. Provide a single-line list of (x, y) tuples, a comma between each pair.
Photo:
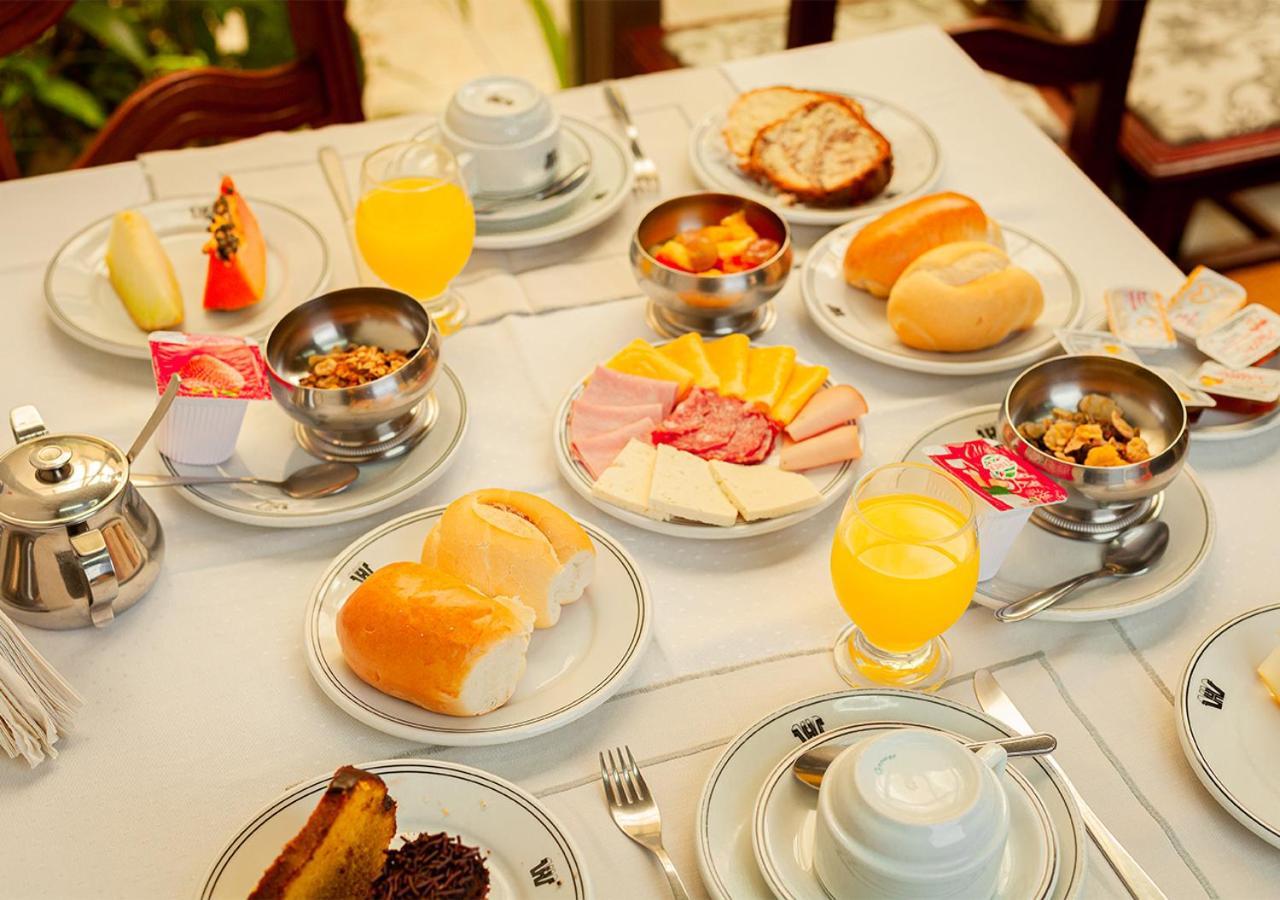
[(176, 62), (70, 99), (111, 28), (557, 46)]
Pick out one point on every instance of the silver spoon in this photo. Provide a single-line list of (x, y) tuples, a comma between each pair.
[(1132, 553), (309, 482), (491, 203), (813, 764)]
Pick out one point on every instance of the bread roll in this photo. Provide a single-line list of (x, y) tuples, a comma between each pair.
[(424, 636), (963, 296), (882, 250), (517, 545)]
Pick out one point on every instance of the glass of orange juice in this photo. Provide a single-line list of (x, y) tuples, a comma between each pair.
[(415, 225), (904, 563)]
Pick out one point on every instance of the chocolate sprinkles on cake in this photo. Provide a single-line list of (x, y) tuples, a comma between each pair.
[(433, 867)]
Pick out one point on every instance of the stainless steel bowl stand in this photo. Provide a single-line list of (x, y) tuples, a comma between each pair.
[(387, 441), (672, 324), (1100, 524)]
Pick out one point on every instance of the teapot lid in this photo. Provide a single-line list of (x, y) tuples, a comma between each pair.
[(51, 480)]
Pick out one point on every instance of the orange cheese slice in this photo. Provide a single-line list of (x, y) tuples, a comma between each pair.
[(688, 352), (728, 356), (803, 384), (768, 371), (640, 358)]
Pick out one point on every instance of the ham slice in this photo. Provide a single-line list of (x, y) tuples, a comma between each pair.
[(836, 445), (826, 409), (598, 451), (610, 388), (597, 418)]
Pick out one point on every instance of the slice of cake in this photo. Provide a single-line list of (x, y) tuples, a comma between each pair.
[(755, 109), (764, 492), (341, 850)]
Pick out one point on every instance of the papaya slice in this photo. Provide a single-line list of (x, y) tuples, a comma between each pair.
[(237, 275)]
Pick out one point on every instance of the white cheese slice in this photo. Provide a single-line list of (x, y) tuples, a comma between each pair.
[(764, 492), (683, 486), (1269, 672), (626, 482)]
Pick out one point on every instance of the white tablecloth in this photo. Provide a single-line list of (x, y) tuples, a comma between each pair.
[(200, 708)]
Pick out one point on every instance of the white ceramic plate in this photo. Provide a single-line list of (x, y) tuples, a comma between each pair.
[(1229, 725), (267, 448), (572, 668), (85, 305), (786, 814), (607, 188), (833, 483), (855, 319), (1040, 559), (723, 827), (528, 852), (917, 164)]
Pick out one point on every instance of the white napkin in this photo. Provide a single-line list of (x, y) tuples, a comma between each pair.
[(36, 703)]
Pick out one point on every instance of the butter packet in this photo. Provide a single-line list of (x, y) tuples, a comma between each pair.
[(1137, 317), (1244, 339), (1190, 395), (1094, 343), (1257, 385), (1206, 299)]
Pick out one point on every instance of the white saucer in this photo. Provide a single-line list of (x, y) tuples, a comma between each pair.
[(1039, 559), (527, 851), (85, 305), (723, 831), (917, 164), (1230, 726), (572, 668), (785, 817), (267, 448), (855, 319)]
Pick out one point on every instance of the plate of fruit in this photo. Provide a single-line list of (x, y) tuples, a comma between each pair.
[(221, 264), (709, 439)]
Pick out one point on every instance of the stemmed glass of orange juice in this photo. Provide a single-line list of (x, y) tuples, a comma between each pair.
[(904, 563), (415, 225)]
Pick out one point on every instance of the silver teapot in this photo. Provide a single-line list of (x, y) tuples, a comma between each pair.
[(78, 545)]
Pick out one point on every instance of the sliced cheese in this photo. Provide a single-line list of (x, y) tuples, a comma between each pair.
[(683, 486), (728, 356), (1269, 672), (826, 409), (640, 358), (803, 384), (764, 492), (688, 352), (837, 445), (626, 482), (768, 371)]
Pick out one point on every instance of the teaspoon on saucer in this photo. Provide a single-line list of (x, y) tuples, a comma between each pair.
[(309, 482)]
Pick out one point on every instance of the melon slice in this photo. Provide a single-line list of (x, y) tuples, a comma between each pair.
[(237, 253), (142, 273)]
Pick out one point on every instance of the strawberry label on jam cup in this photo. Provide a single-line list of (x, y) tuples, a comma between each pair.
[(210, 365), (1003, 480)]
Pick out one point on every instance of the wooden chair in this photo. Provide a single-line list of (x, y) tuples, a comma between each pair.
[(319, 87)]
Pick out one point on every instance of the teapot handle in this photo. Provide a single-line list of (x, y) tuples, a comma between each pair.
[(25, 422), (100, 572)]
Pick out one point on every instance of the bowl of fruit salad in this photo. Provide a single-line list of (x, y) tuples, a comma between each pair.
[(709, 261)]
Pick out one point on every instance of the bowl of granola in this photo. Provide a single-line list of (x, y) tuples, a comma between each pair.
[(354, 368), (1111, 432)]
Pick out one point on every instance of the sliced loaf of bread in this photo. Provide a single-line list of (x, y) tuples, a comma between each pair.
[(755, 109)]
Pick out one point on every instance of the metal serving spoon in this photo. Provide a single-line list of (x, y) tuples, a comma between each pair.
[(1132, 553), (813, 764), (309, 482)]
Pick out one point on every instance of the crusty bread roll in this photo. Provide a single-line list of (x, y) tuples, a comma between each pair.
[(514, 544), (424, 636), (963, 296), (882, 250)]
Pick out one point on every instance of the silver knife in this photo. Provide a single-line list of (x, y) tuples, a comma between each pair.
[(995, 702)]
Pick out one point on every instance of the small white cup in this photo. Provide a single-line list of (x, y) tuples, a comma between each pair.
[(912, 814), (505, 134)]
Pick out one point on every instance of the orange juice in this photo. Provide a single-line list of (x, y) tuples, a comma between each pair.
[(903, 569), (416, 233)]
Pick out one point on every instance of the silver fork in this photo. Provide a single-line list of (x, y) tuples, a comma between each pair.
[(646, 171), (635, 812)]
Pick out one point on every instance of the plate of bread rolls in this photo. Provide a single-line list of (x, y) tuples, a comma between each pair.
[(760, 146), (936, 285), (492, 619)]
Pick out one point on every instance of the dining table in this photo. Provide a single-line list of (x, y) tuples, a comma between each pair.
[(199, 707)]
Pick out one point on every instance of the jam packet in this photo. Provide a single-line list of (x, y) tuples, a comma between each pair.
[(1010, 487), (1137, 317), (1094, 343), (1190, 395), (1206, 299), (1257, 386), (1248, 337)]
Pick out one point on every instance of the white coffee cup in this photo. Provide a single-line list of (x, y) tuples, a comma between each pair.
[(505, 134), (912, 814)]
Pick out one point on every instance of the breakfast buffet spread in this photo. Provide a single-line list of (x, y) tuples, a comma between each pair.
[(501, 615)]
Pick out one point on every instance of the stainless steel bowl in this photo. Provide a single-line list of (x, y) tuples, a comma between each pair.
[(1147, 402), (376, 420), (708, 304)]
